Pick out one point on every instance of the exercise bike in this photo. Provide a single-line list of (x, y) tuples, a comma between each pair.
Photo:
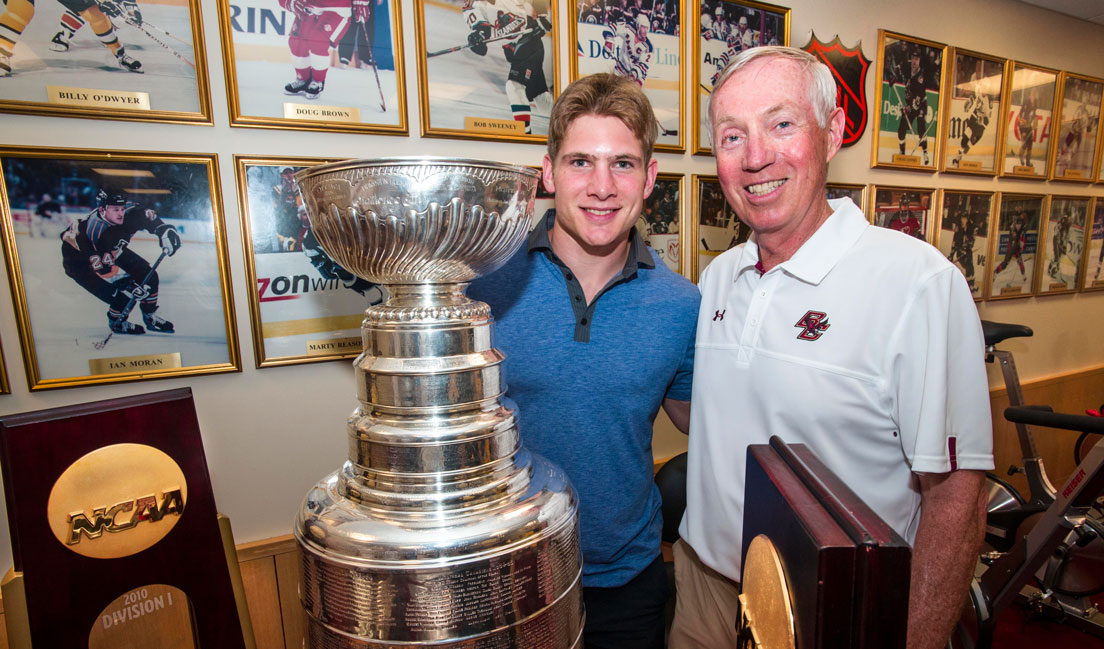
[(1061, 550)]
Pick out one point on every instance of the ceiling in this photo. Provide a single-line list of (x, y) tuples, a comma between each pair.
[(1090, 10)]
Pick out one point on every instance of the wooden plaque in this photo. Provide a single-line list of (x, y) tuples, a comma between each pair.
[(114, 527), (847, 571)]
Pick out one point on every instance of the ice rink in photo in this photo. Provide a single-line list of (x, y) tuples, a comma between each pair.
[(169, 79)]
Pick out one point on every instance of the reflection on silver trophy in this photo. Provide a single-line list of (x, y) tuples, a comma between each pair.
[(440, 530)]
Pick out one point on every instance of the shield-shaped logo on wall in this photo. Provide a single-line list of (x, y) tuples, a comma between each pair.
[(849, 67)]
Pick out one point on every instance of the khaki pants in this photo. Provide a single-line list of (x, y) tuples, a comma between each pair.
[(706, 604)]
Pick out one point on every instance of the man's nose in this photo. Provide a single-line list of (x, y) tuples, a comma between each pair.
[(602, 183), (758, 152)]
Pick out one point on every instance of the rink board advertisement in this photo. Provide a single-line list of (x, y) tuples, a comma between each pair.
[(715, 227), (1015, 243), (117, 264), (909, 88), (304, 307), (148, 63), (646, 47), (1063, 244), (725, 29), (1094, 268), (336, 69), (963, 235), (905, 209), (972, 113), (486, 70), (1025, 145), (1078, 128)]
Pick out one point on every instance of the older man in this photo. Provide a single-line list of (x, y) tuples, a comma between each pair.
[(860, 342), (598, 335)]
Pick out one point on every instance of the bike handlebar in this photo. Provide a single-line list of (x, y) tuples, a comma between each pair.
[(1043, 416)]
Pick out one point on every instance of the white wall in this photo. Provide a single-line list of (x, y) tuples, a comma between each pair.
[(271, 434)]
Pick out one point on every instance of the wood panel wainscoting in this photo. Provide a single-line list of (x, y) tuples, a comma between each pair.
[(270, 569)]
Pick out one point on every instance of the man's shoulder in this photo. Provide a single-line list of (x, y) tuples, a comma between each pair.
[(891, 254)]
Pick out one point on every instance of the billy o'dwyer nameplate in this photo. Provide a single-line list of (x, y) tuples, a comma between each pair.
[(115, 537)]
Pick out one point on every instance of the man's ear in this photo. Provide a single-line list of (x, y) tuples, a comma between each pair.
[(549, 181), (836, 122)]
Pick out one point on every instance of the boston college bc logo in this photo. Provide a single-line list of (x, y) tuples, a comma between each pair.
[(813, 325), (849, 68)]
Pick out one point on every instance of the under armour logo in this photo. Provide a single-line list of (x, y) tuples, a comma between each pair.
[(719, 315), (813, 325)]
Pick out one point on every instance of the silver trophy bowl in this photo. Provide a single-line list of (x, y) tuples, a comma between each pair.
[(441, 530)]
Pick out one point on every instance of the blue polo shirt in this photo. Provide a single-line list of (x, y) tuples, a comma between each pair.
[(588, 381)]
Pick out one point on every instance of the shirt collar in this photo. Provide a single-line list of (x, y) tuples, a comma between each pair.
[(639, 257), (822, 251)]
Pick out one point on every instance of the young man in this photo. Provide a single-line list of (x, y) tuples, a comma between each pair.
[(95, 254), (598, 334), (858, 341)]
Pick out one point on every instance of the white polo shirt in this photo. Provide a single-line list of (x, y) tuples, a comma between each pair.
[(865, 345)]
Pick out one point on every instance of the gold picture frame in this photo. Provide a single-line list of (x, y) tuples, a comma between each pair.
[(1080, 102), (1093, 277), (362, 89), (715, 227), (5, 386), (607, 39), (910, 210), (850, 190), (721, 40), (962, 234), (97, 244), (1011, 242), (304, 307), (466, 85), (661, 223), (909, 84), (73, 73), (972, 106), (1030, 96), (1062, 239)]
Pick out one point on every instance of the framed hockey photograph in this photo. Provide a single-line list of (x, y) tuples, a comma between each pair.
[(644, 44), (117, 264), (1063, 244), (660, 223), (109, 59), (971, 113), (908, 95), (715, 227), (726, 28), (1028, 113), (1015, 243), (485, 72), (857, 193), (305, 308), (963, 235), (905, 209), (315, 65), (1074, 150), (1094, 256)]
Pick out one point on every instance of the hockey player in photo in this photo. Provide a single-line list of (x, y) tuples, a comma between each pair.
[(95, 254), (17, 15), (1058, 244), (962, 245), (914, 109), (329, 269), (358, 37), (516, 27), (319, 25), (1071, 144), (289, 212), (629, 47), (1025, 127), (71, 21), (47, 217), (905, 222), (979, 108), (1017, 242)]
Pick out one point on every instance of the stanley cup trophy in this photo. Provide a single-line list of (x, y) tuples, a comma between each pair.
[(441, 531)]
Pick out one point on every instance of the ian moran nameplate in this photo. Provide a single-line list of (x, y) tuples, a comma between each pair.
[(115, 537)]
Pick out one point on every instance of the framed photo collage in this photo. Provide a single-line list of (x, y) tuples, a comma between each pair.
[(480, 74)]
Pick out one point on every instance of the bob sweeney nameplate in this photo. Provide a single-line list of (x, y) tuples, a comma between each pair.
[(114, 530)]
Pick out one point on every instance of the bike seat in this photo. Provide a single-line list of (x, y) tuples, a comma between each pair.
[(998, 331)]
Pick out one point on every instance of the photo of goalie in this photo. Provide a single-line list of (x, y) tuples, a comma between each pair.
[(907, 210), (305, 306), (963, 235), (117, 258), (972, 114), (128, 46)]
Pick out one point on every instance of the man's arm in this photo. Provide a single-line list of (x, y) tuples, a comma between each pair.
[(952, 525), (679, 412)]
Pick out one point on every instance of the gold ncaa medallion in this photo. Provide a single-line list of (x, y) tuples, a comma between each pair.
[(156, 616), (766, 613), (117, 501)]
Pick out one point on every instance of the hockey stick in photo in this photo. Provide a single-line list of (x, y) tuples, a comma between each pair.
[(383, 105), (141, 28), (469, 45), (100, 344), (664, 131)]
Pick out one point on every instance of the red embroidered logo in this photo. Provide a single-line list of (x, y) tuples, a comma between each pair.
[(813, 325)]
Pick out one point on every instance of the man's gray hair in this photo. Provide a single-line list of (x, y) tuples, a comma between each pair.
[(822, 86)]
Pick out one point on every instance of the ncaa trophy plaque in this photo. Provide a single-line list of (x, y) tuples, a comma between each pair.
[(440, 531)]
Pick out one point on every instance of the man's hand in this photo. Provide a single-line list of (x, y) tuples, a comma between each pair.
[(169, 238), (480, 32), (133, 12), (109, 8), (136, 291), (948, 540)]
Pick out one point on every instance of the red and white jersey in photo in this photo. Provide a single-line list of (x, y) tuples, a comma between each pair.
[(631, 53), (506, 16)]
